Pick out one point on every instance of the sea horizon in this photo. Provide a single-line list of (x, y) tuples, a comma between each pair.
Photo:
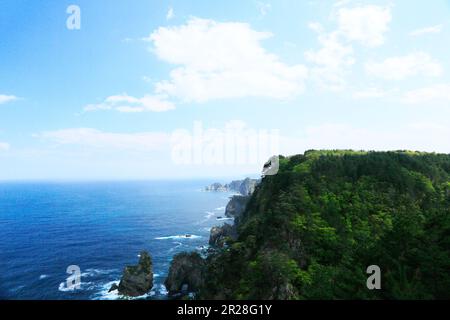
[(101, 227)]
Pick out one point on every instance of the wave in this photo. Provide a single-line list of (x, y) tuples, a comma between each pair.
[(43, 276), (105, 294), (209, 214), (160, 290), (177, 245), (182, 236), (223, 219), (83, 286), (92, 272), (220, 208)]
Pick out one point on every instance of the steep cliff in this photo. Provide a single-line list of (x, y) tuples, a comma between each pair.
[(311, 231)]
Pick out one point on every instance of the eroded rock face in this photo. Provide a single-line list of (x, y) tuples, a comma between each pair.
[(219, 235), (236, 206), (248, 186), (186, 273), (216, 187), (244, 187), (137, 280)]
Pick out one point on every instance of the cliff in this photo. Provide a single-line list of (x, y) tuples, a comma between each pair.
[(236, 206), (311, 231), (186, 274), (244, 187)]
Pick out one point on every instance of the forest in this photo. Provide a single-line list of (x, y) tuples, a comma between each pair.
[(311, 231)]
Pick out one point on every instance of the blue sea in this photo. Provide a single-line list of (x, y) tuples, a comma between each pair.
[(100, 227)]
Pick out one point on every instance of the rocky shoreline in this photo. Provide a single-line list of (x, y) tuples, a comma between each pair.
[(136, 280), (244, 187), (186, 271)]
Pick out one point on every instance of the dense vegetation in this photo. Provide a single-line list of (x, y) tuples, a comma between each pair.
[(311, 231)]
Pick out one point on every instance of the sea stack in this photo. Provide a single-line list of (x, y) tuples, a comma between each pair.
[(136, 280), (185, 274)]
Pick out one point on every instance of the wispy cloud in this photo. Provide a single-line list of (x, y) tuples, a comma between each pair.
[(263, 8), (170, 14), (423, 136), (426, 30), (398, 68), (4, 146), (365, 25), (437, 93), (93, 138), (369, 93), (126, 103), (7, 98)]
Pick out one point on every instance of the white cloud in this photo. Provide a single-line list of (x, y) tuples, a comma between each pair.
[(431, 137), (341, 3), (427, 30), (4, 146), (435, 93), (263, 8), (7, 98), (218, 60), (398, 68), (88, 137), (369, 93), (170, 14), (126, 103), (331, 59), (365, 24)]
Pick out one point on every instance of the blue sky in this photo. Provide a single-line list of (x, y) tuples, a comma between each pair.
[(112, 99)]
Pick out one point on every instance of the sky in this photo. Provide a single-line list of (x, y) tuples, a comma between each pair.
[(94, 90)]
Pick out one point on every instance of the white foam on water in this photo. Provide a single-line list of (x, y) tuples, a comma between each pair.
[(43, 276), (92, 272), (209, 214), (177, 245), (83, 286), (105, 294), (183, 236)]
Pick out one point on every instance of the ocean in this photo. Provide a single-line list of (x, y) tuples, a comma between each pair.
[(100, 227)]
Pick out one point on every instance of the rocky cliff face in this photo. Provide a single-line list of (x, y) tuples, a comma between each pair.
[(187, 270), (244, 187), (186, 273), (219, 235), (218, 187), (136, 280), (236, 206), (248, 186)]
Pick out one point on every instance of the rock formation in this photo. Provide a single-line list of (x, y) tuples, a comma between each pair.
[(236, 206), (244, 187), (186, 273), (219, 235), (136, 280)]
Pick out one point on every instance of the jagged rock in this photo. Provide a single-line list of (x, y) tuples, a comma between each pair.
[(186, 273), (136, 280), (248, 186), (113, 287), (234, 185), (244, 187), (236, 206), (216, 187), (219, 235)]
